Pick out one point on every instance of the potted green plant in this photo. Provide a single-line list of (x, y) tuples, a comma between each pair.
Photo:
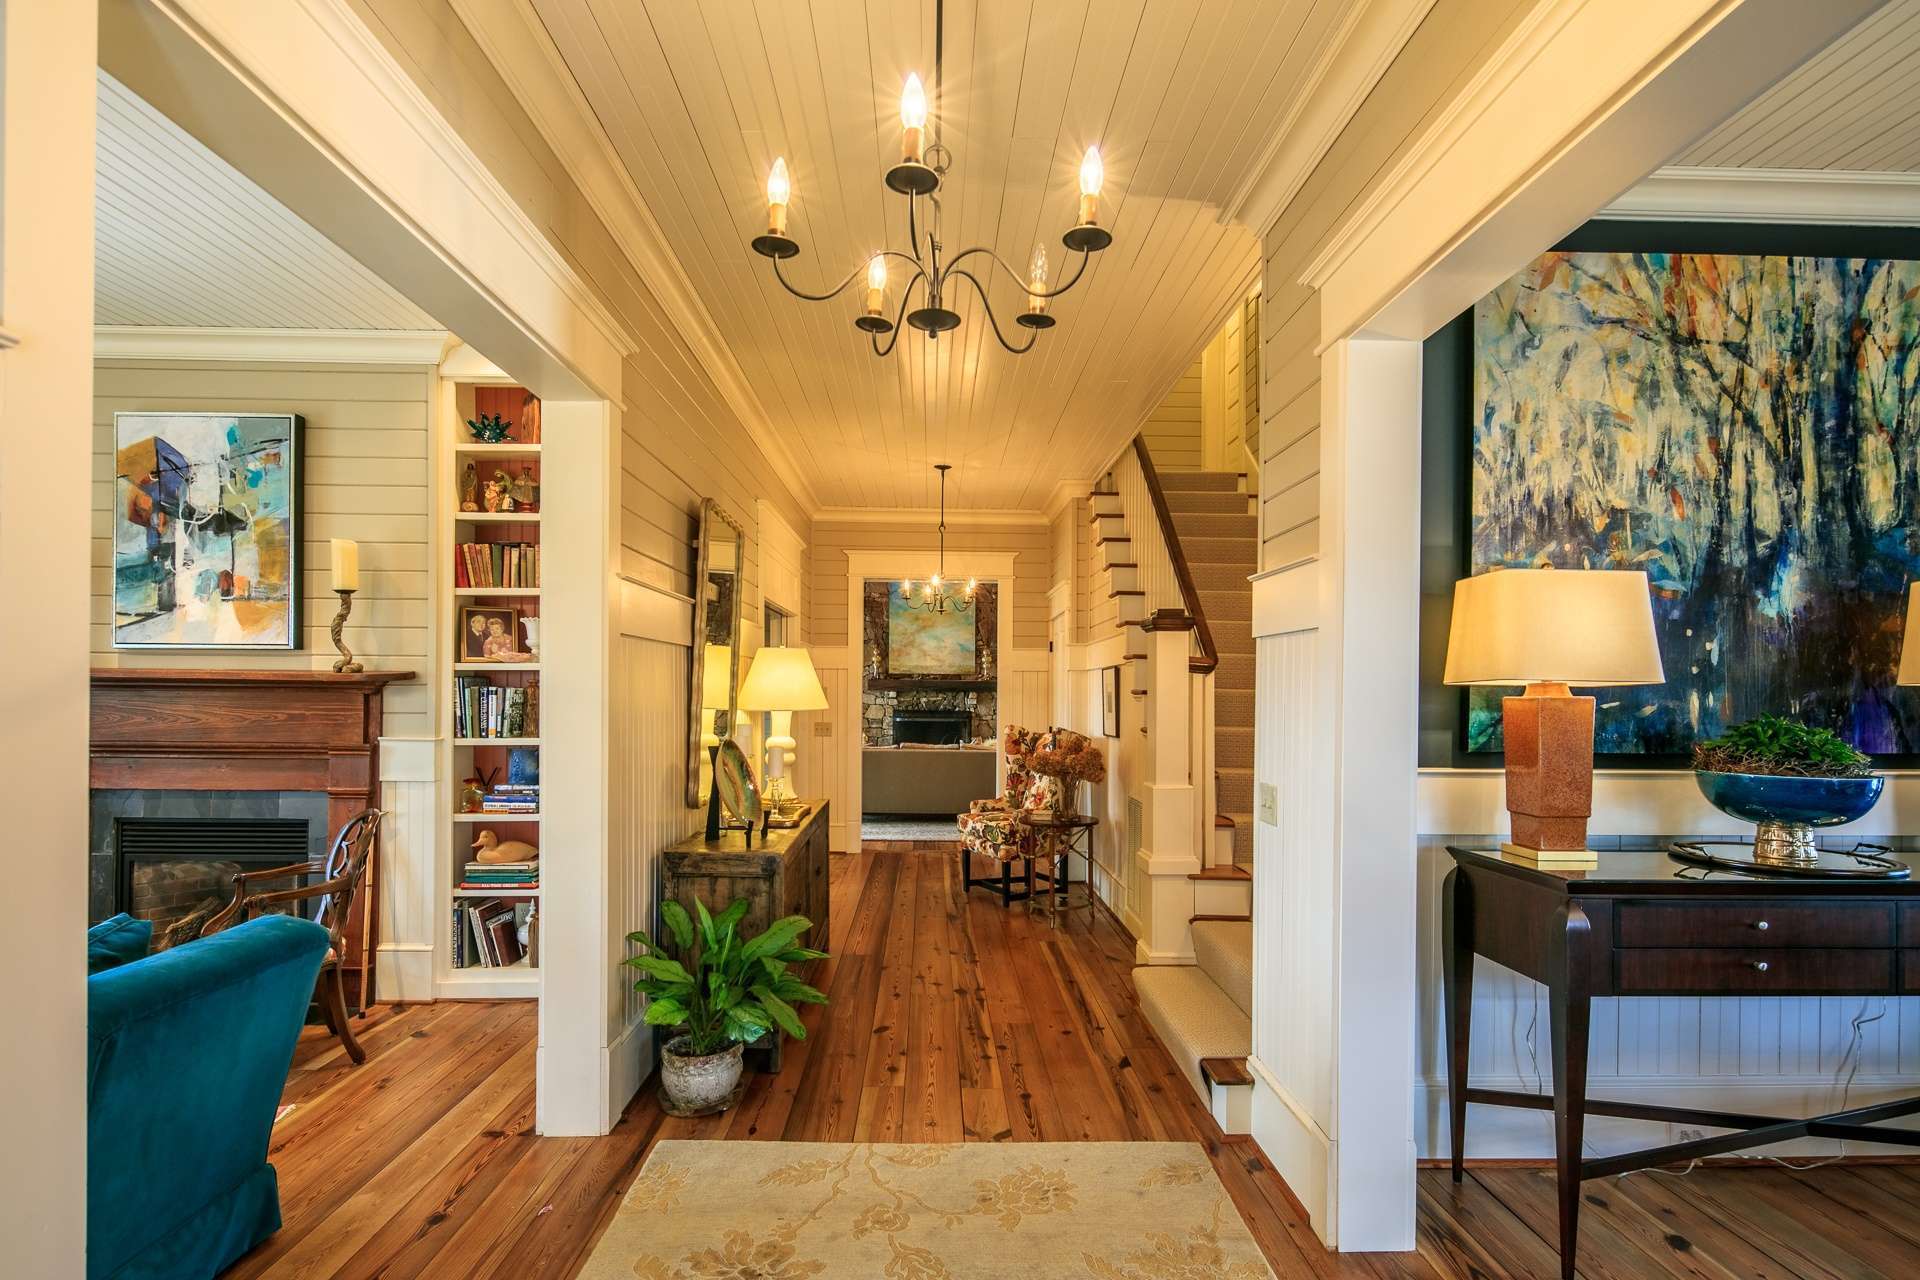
[(720, 993), (1787, 778)]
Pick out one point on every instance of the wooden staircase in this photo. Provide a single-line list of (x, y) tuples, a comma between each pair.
[(1219, 536)]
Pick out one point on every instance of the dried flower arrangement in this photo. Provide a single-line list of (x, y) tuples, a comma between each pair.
[(1068, 756)]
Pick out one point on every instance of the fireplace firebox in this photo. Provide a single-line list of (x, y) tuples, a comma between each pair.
[(932, 725)]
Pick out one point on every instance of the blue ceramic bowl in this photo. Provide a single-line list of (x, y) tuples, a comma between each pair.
[(1813, 802)]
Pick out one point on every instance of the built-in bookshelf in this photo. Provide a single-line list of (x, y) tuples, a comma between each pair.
[(490, 541)]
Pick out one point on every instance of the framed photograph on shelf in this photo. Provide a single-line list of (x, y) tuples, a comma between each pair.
[(488, 634), (1110, 702)]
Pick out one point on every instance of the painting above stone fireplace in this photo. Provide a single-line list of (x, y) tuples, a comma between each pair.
[(937, 687)]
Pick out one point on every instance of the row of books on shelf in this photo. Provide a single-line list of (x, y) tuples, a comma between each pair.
[(496, 564), (500, 876), (491, 933), (485, 710), (511, 797)]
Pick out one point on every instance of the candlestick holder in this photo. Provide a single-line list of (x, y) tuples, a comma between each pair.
[(345, 662)]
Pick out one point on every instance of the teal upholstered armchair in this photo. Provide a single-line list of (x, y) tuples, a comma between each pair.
[(187, 1053)]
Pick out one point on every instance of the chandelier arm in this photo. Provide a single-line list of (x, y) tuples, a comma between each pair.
[(899, 317), (835, 292), (986, 305), (1025, 285)]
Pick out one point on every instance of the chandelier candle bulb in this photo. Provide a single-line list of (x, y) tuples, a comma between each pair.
[(913, 120), (1092, 176), (876, 285), (779, 192), (1037, 281)]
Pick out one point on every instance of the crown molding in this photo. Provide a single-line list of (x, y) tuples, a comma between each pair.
[(994, 518), (1352, 61), (517, 43), (289, 346), (1064, 493), (1841, 197)]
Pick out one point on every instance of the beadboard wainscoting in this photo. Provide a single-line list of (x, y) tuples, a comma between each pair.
[(1788, 1057), (405, 872), (1293, 942), (647, 810)]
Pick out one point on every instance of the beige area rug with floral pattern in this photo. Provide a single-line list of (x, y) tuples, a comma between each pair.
[(807, 1210)]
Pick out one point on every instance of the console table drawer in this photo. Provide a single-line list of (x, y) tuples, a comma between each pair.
[(1725, 971), (1910, 971), (1760, 922)]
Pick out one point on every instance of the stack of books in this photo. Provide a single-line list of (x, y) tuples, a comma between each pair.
[(511, 797), (484, 710), (496, 564), (501, 877), (491, 933)]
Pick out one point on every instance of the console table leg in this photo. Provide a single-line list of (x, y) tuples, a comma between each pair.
[(1456, 949), (1571, 1003)]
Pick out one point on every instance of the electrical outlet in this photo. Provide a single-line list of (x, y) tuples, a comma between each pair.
[(823, 728), (1268, 804)]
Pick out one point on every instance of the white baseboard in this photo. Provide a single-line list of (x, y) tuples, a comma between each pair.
[(628, 1060), (1516, 1133), (403, 971), (1297, 1148)]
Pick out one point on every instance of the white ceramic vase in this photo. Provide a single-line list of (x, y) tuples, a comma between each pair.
[(532, 626)]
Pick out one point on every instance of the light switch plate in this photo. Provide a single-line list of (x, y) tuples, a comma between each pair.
[(1268, 804)]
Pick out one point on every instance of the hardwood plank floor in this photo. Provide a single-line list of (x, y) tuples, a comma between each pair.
[(953, 1020)]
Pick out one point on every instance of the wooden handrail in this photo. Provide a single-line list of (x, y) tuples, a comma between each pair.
[(1209, 656)]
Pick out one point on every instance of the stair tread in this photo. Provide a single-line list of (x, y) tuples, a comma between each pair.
[(1228, 1073), (1234, 873)]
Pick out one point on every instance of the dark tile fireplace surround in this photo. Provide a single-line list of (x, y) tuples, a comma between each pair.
[(163, 855)]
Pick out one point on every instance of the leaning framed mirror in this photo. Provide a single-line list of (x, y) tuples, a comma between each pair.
[(714, 674)]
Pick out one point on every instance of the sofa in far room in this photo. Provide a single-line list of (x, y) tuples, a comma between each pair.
[(188, 1051), (927, 781)]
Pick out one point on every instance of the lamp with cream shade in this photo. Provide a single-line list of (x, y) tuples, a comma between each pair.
[(782, 681), (1550, 629)]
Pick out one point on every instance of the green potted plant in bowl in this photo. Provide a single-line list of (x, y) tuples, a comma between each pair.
[(1787, 778), (721, 993)]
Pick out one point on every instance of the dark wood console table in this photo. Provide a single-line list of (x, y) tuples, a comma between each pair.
[(784, 873), (1642, 924)]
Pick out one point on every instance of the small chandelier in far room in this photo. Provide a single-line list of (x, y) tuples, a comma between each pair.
[(936, 594)]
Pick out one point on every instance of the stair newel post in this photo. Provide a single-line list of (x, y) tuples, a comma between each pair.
[(1167, 847)]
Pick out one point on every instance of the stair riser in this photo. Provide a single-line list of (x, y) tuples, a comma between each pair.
[(1222, 577), (1207, 525), (1206, 502), (1222, 898), (1234, 672), (1204, 481), (1232, 746), (1235, 793), (1240, 553)]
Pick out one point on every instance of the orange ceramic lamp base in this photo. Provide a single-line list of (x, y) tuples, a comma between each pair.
[(1549, 744)]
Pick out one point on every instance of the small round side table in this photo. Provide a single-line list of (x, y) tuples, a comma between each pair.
[(1055, 838)]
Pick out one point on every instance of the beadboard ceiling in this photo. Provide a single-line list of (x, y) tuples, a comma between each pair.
[(1854, 106), (184, 240), (1183, 100)]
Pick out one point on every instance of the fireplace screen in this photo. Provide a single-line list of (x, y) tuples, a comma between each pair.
[(178, 872)]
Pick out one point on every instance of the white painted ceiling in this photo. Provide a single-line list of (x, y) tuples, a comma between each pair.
[(1183, 100), (1855, 106), (183, 239)]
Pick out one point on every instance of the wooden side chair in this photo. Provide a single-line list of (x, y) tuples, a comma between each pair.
[(336, 880)]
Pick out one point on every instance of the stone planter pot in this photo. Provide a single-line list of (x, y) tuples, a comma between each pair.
[(697, 1084)]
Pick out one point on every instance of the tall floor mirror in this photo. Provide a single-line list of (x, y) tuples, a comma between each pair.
[(716, 669)]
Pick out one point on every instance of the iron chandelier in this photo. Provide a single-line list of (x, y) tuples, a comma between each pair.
[(918, 176), (936, 596)]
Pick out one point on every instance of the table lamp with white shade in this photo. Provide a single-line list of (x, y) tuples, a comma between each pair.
[(782, 681), (1549, 629)]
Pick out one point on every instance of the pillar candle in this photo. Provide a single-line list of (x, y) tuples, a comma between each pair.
[(346, 564)]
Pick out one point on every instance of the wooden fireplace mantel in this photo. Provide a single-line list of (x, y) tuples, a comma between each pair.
[(178, 729)]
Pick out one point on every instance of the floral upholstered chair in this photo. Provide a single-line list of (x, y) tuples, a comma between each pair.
[(991, 828)]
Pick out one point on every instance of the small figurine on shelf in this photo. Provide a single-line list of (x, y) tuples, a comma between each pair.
[(494, 494), (526, 491), (470, 488), (505, 485), (472, 793), (489, 428), (493, 849)]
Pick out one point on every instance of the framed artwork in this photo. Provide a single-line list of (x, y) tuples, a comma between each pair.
[(206, 531), (922, 642), (1743, 428), (490, 633), (1110, 702)]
